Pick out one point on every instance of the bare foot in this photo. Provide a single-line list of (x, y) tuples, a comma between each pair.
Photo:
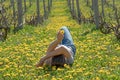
[(40, 63)]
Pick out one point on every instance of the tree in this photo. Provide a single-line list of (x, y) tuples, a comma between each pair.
[(102, 2), (69, 4), (113, 4), (25, 6), (10, 3), (73, 9), (78, 10), (87, 2), (45, 11), (92, 5), (13, 7), (20, 16), (49, 6), (96, 13), (38, 11), (30, 3), (51, 3)]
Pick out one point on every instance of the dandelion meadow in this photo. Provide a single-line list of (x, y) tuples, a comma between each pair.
[(97, 56)]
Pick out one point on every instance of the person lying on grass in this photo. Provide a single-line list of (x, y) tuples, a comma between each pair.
[(61, 51)]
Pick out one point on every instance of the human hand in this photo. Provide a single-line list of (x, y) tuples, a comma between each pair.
[(60, 35)]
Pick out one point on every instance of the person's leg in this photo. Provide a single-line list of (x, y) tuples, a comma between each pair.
[(48, 62), (52, 46), (62, 50), (58, 51)]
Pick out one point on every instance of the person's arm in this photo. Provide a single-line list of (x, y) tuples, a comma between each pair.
[(55, 43)]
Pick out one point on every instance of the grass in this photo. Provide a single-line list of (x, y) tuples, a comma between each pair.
[(97, 56)]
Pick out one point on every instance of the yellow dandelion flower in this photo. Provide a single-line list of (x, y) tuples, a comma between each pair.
[(101, 71), (59, 69), (2, 69), (0, 49), (6, 60), (1, 63), (7, 66), (66, 66), (97, 78), (80, 70), (70, 76), (53, 67), (28, 66), (20, 71), (67, 76), (118, 48), (46, 75), (13, 74), (40, 68), (87, 73), (53, 78), (6, 75), (62, 31), (59, 79), (107, 72), (40, 77)]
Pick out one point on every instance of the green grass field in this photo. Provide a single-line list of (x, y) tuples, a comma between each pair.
[(97, 56)]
